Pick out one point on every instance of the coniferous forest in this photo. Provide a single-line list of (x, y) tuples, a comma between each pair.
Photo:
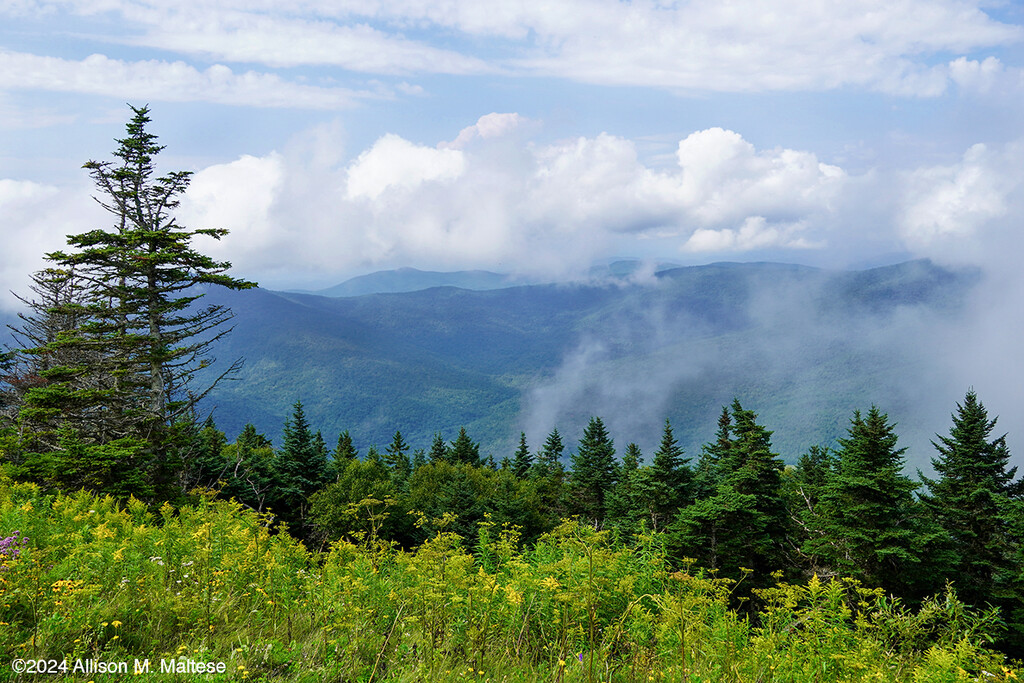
[(133, 528)]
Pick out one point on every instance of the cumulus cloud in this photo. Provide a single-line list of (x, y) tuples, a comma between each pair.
[(166, 81), (395, 163), (34, 220), (955, 211), (488, 126), (491, 199)]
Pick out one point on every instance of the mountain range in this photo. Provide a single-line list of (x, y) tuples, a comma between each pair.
[(801, 346)]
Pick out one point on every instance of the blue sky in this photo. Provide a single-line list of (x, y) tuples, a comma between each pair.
[(337, 138)]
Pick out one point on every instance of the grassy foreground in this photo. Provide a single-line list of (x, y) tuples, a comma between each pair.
[(94, 581)]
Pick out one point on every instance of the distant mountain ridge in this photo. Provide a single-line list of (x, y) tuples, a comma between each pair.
[(413, 280), (402, 280), (802, 346)]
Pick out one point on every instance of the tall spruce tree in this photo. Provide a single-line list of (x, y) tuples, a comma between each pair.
[(869, 524), (465, 450), (439, 451), (593, 473), (970, 501), (672, 480), (396, 457), (523, 460), (743, 523), (549, 459), (300, 468), (344, 451), (706, 478), (630, 499), (138, 318)]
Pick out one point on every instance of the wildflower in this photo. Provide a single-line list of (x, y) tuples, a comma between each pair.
[(116, 624)]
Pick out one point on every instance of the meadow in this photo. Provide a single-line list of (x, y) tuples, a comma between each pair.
[(84, 578)]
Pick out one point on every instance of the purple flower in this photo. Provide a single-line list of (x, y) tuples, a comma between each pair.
[(11, 546)]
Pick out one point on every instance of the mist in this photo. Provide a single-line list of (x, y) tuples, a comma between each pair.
[(803, 348)]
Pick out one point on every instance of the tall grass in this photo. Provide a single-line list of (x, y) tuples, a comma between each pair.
[(97, 580)]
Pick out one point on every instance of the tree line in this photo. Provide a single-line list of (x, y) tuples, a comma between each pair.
[(101, 393)]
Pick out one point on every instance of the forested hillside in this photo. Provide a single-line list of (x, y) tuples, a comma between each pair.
[(804, 345)]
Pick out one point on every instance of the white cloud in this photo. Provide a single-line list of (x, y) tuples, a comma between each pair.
[(724, 179), (165, 81), (739, 46), (755, 233), (393, 162), (487, 126), (34, 220), (283, 41), (953, 210), (505, 203), (974, 75)]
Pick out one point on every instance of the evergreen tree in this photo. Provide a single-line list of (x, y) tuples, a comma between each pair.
[(671, 478), (743, 524), (548, 476), (396, 458), (706, 478), (464, 450), (627, 504), (345, 451), (523, 460), (137, 316), (803, 488), (419, 459), (300, 468), (207, 466), (439, 451), (251, 476), (869, 522), (970, 501), (593, 472), (549, 460)]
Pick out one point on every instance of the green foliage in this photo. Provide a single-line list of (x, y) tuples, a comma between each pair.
[(300, 468), (463, 450), (970, 499), (743, 524), (209, 582), (118, 348), (671, 480), (522, 462), (593, 473), (868, 523)]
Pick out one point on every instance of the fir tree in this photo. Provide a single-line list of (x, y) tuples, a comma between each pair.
[(549, 459), (464, 450), (137, 317), (523, 460), (300, 467), (672, 480), (344, 452), (593, 472), (419, 459), (743, 524), (970, 500), (439, 451), (706, 478), (869, 525), (396, 458), (628, 500)]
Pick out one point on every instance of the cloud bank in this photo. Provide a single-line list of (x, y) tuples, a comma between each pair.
[(493, 198)]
